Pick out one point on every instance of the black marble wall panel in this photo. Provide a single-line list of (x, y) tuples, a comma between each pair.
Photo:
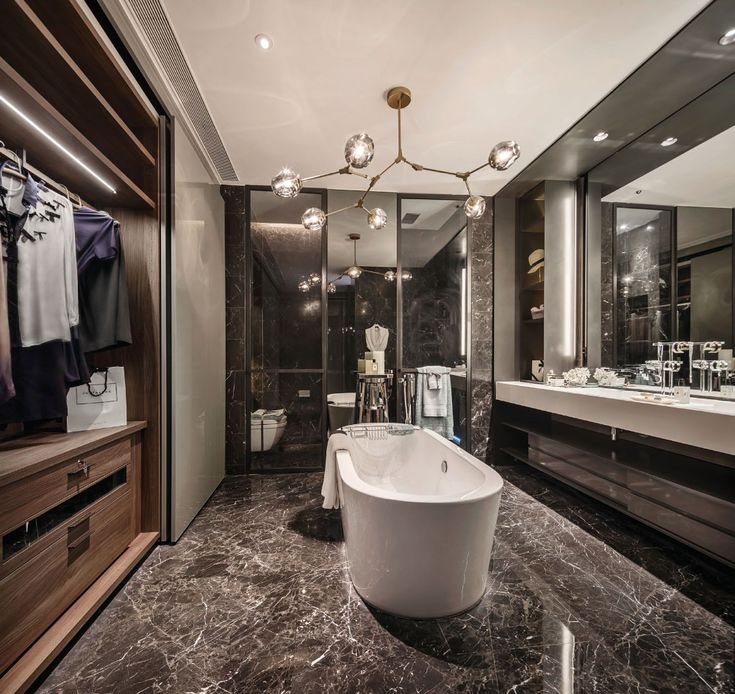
[(289, 320), (481, 237), (432, 311), (235, 223), (607, 335)]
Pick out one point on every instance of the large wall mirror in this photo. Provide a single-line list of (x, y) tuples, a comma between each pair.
[(660, 266)]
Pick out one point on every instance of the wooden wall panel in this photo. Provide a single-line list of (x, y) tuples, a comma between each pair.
[(140, 233)]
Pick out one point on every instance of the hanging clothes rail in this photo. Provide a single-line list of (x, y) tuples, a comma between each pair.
[(50, 182)]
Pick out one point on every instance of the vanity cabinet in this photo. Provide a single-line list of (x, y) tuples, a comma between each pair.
[(70, 507), (672, 469)]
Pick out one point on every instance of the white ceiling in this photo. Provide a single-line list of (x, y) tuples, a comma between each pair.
[(703, 176), (480, 71)]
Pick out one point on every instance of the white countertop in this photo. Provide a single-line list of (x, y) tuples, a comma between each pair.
[(708, 424)]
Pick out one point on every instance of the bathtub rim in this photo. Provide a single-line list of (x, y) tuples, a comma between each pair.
[(493, 483)]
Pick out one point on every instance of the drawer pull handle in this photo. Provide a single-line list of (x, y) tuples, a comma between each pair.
[(83, 468), (79, 524), (74, 545)]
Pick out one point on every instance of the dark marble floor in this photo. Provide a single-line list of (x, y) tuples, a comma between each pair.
[(704, 580), (256, 598)]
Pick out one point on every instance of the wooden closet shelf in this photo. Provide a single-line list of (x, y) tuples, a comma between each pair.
[(15, 131), (33, 49)]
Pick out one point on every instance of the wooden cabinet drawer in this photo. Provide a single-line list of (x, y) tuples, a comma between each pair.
[(37, 593), (28, 497)]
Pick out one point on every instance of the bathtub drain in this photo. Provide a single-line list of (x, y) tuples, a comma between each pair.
[(444, 465)]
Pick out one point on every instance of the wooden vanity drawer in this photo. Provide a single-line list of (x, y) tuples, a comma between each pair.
[(27, 498), (37, 593)]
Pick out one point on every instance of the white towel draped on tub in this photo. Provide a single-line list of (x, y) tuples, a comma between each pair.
[(330, 485)]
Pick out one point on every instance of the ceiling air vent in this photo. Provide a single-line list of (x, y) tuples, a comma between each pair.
[(410, 218), (161, 38)]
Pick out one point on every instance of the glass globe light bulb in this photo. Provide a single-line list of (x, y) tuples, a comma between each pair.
[(314, 279), (359, 150), (313, 219), (304, 286), (354, 272), (331, 288), (286, 183), (474, 206), (406, 275), (390, 276), (503, 155), (377, 218)]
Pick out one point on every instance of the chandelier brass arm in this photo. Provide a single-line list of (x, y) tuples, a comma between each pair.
[(359, 151)]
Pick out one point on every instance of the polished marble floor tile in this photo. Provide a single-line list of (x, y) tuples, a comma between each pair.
[(256, 597)]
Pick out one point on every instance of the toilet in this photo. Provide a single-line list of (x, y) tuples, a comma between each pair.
[(341, 410), (266, 433)]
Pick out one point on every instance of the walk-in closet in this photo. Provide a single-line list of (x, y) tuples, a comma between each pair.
[(82, 152)]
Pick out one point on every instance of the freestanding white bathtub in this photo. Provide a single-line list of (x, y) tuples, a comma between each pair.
[(419, 519)]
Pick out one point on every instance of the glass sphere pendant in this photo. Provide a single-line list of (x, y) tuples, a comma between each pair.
[(313, 219), (474, 206), (286, 183), (377, 218), (503, 155), (359, 150)]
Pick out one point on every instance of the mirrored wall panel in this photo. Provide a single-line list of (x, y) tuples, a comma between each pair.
[(361, 272), (285, 366), (434, 290), (659, 295), (641, 248)]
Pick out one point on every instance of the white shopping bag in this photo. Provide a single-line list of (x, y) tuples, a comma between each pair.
[(99, 404)]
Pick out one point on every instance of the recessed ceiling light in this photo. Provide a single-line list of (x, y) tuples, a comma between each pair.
[(669, 141), (727, 38), (264, 42), (602, 135), (649, 227)]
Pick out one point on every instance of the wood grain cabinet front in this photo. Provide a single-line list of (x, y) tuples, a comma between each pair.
[(23, 500), (39, 591)]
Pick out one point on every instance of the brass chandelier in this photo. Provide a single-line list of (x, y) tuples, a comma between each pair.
[(359, 151)]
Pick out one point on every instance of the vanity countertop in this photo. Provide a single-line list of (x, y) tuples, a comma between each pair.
[(708, 424)]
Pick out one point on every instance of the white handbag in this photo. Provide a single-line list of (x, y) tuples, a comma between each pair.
[(99, 404)]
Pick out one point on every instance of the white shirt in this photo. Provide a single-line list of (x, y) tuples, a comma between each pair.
[(48, 305)]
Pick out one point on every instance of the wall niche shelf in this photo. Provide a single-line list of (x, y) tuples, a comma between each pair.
[(531, 237)]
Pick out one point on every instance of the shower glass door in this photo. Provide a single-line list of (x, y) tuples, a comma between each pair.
[(285, 361)]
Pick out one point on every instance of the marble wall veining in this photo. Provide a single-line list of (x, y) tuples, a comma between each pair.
[(481, 237), (432, 310), (235, 295)]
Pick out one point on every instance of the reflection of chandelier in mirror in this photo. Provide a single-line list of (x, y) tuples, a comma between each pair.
[(355, 270), (359, 151)]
